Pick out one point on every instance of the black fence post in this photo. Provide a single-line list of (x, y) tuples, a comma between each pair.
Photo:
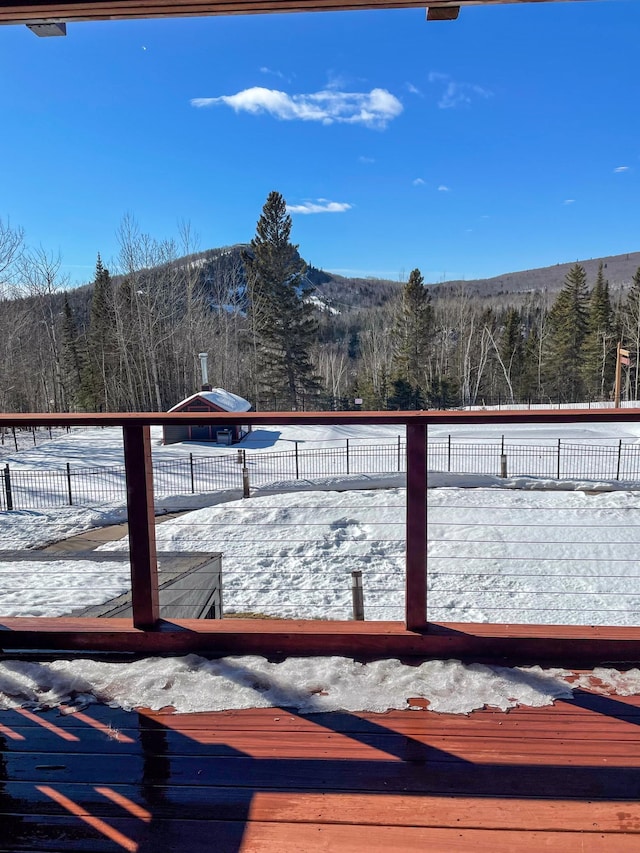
[(399, 455), (7, 487), (449, 454), (297, 464), (558, 466), (619, 459), (15, 438), (193, 486), (357, 594), (69, 484), (347, 440)]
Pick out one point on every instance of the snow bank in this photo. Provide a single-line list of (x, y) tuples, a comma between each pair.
[(309, 685)]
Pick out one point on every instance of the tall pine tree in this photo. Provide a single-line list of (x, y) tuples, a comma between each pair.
[(568, 324), (101, 344), (412, 332), (281, 320), (598, 351), (72, 358)]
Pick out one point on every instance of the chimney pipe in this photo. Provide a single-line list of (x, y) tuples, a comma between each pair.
[(203, 367)]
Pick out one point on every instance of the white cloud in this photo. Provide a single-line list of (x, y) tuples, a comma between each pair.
[(418, 182), (569, 201), (366, 160), (371, 109), (413, 89), (443, 189), (621, 169), (456, 94), (321, 205), (265, 70)]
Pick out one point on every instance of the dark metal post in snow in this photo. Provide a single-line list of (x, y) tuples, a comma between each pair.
[(357, 595), (558, 466), (619, 459), (7, 487), (399, 456), (15, 438), (246, 491), (69, 484), (347, 440), (297, 464)]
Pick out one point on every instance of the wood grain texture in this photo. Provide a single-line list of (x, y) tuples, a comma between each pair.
[(272, 781)]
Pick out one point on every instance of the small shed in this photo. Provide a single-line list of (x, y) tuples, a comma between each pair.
[(210, 401)]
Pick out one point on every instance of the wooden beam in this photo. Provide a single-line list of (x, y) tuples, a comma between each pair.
[(562, 645), (443, 13), (416, 545), (142, 529), (439, 418)]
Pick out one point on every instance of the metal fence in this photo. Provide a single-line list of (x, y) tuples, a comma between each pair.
[(34, 489)]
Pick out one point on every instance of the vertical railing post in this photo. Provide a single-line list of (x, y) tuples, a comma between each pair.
[(449, 454), (142, 531), (347, 440), (297, 463), (558, 460), (399, 455), (193, 484), (416, 554)]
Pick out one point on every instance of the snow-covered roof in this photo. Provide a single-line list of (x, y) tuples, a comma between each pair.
[(224, 400)]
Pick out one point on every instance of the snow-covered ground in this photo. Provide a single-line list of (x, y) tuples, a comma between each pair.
[(519, 550)]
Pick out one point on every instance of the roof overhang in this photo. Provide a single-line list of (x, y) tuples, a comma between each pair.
[(35, 12)]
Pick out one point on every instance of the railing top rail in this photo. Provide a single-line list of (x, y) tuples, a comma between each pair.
[(513, 416)]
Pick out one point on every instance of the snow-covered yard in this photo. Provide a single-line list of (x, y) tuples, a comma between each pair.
[(520, 550)]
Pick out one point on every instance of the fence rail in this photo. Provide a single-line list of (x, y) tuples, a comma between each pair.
[(21, 488)]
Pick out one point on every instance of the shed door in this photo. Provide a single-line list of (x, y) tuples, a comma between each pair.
[(201, 433)]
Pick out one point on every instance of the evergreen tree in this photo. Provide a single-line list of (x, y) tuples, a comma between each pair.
[(598, 352), (404, 396), (568, 324), (511, 353), (72, 362), (412, 330), (101, 344), (281, 320)]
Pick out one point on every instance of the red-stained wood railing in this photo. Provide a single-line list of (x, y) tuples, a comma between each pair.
[(147, 633), (142, 529)]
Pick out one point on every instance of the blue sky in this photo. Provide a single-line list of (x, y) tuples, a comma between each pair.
[(505, 140)]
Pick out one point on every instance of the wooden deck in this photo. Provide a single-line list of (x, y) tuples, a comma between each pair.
[(563, 778)]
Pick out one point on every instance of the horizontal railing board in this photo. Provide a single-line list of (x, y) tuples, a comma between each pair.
[(566, 645), (449, 416)]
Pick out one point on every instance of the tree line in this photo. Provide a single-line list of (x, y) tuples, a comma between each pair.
[(129, 342)]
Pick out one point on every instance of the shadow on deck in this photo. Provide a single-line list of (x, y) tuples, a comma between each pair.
[(558, 778)]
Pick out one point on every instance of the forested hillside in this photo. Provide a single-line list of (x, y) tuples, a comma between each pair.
[(287, 335)]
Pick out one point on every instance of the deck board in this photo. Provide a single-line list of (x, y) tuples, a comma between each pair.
[(558, 778)]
